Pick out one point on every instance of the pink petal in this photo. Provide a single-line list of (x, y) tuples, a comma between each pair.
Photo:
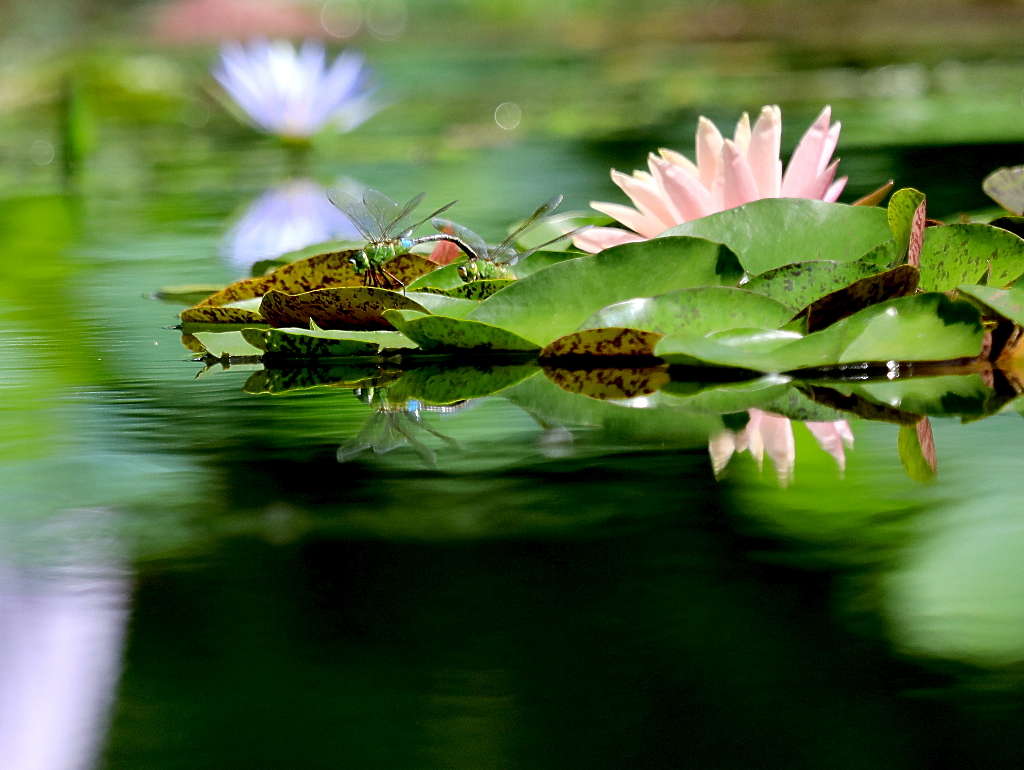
[(678, 159), (741, 136), (777, 435), (829, 147), (721, 449), (631, 218), (595, 239), (739, 185), (709, 150), (835, 190), (823, 182), (803, 166), (688, 195), (763, 155), (646, 196), (831, 436)]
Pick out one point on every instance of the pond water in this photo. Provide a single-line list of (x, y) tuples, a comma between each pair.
[(189, 576)]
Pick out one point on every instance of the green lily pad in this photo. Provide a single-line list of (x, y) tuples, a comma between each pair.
[(727, 398), (771, 232), (694, 311), (906, 216), (898, 282), (435, 384), (227, 343), (798, 285), (299, 343), (442, 333), (282, 380), (473, 290), (916, 447), (924, 327), (454, 307), (555, 301), (956, 254), (1008, 303)]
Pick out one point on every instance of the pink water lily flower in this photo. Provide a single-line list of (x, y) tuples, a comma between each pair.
[(728, 173), (773, 433)]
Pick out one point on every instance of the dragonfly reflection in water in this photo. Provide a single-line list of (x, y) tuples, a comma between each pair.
[(387, 228), (492, 262), (393, 425)]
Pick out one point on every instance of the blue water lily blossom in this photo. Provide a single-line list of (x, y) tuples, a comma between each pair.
[(286, 218), (294, 92)]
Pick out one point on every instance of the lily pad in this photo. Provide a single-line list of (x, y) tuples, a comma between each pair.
[(221, 315), (337, 308), (602, 343), (772, 232), (906, 214), (435, 384), (443, 333), (555, 301), (694, 311), (1008, 303), (916, 447), (298, 343), (185, 295), (333, 269), (924, 327), (798, 285), (609, 383), (282, 380), (477, 290), (1006, 187), (899, 282), (958, 254)]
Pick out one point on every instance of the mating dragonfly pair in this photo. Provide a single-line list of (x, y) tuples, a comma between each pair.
[(388, 227)]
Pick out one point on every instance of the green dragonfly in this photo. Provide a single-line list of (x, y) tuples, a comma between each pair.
[(490, 262), (387, 228), (393, 425)]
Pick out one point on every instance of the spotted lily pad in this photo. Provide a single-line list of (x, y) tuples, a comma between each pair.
[(798, 285), (604, 342), (321, 271), (959, 254), (609, 383), (220, 315), (336, 308), (898, 282)]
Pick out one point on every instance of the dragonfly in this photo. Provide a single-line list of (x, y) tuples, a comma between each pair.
[(395, 424), (490, 262), (387, 228)]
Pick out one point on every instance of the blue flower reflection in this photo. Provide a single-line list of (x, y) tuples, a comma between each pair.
[(285, 218)]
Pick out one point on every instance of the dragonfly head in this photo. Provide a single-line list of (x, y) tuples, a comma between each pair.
[(361, 261), (470, 271)]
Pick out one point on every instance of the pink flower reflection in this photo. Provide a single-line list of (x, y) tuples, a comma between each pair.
[(772, 433), (728, 173)]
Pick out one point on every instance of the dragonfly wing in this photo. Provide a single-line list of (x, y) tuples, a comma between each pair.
[(570, 234), (404, 228), (388, 213), (354, 209), (542, 211), (467, 236)]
